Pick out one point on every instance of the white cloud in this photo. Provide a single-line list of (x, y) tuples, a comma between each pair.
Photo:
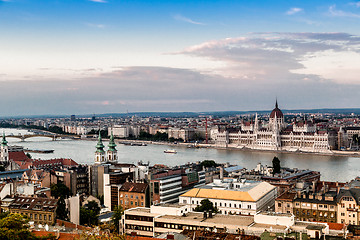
[(356, 4), (339, 13), (270, 57), (294, 10), (96, 25), (99, 1), (181, 18)]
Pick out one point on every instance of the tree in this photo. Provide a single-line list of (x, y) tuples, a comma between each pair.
[(208, 163), (60, 190), (89, 214), (206, 205), (29, 155), (276, 165), (116, 217), (61, 210), (14, 227)]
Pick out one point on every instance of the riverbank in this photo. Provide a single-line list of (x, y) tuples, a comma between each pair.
[(202, 145)]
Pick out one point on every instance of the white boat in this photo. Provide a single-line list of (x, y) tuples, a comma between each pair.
[(170, 151)]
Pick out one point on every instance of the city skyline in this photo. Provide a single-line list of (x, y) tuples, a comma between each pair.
[(112, 56)]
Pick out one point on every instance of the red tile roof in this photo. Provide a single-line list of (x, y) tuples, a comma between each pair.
[(18, 156)]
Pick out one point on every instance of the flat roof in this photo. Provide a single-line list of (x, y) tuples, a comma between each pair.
[(216, 220)]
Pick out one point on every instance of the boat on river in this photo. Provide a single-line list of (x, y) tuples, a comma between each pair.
[(170, 151)]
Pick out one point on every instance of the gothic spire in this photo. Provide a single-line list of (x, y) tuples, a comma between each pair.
[(4, 142), (112, 144), (276, 104), (100, 146)]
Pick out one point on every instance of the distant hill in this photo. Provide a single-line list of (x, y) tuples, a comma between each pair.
[(356, 111)]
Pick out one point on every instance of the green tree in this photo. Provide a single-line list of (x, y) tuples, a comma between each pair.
[(61, 211), (29, 155), (60, 190), (116, 217), (89, 214), (15, 227), (208, 163), (206, 205), (276, 165)]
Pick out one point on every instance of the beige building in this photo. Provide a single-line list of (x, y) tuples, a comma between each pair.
[(38, 210), (348, 207), (232, 196)]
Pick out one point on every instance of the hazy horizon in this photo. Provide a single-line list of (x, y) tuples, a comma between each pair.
[(104, 56)]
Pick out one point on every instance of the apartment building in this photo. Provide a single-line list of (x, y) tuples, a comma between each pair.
[(38, 210), (167, 186), (134, 195)]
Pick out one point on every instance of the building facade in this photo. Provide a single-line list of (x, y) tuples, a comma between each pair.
[(276, 135), (231, 196)]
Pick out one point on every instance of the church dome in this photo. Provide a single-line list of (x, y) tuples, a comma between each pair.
[(276, 112)]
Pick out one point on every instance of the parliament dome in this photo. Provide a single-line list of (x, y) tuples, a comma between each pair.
[(276, 112)]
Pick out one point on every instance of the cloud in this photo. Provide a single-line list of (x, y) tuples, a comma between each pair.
[(294, 10), (94, 25), (356, 4), (339, 13), (181, 18), (98, 1), (273, 57)]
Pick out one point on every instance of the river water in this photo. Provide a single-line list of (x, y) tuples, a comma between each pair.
[(332, 168)]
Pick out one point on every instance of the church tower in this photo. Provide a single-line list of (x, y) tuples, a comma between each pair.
[(100, 153), (4, 150), (112, 152)]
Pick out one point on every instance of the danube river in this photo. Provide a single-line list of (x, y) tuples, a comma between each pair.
[(332, 168)]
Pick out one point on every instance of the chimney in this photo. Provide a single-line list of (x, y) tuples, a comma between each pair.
[(221, 172), (170, 236)]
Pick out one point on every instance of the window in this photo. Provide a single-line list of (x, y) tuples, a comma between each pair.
[(229, 204), (132, 196), (224, 204), (40, 217), (131, 202), (279, 204), (35, 216), (184, 201), (45, 217), (49, 217), (249, 206), (320, 206), (325, 206)]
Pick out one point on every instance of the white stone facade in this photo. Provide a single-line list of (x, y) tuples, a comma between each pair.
[(275, 136)]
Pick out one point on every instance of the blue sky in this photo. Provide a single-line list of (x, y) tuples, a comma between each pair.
[(74, 57)]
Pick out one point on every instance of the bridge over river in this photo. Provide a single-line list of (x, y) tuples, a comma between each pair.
[(53, 137)]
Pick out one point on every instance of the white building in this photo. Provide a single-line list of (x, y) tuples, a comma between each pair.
[(232, 196), (276, 135), (124, 131)]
